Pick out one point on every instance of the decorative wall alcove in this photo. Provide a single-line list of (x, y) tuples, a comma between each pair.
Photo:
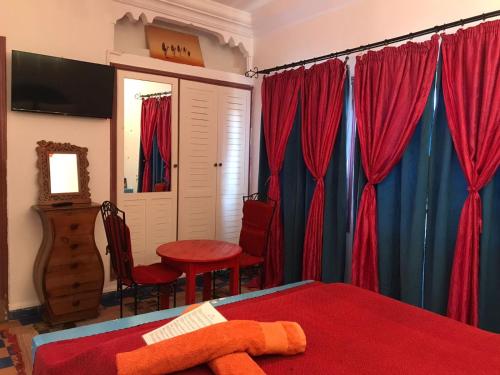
[(225, 34), (130, 38)]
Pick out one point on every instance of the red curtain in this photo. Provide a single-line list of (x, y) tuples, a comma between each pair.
[(164, 135), (391, 87), (279, 105), (321, 112), (471, 89), (148, 126)]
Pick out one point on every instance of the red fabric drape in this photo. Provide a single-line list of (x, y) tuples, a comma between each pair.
[(164, 135), (279, 105), (321, 112), (148, 126), (471, 89), (391, 87)]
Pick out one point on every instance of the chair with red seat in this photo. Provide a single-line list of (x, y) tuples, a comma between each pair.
[(258, 212), (120, 249)]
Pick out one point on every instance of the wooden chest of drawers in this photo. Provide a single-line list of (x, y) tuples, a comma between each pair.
[(68, 272)]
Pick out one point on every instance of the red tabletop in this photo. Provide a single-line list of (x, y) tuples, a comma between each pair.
[(198, 251), (202, 256)]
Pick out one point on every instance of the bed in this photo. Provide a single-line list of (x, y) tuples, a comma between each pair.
[(349, 331)]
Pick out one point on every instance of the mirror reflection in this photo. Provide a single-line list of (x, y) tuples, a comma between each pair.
[(147, 136), (63, 173)]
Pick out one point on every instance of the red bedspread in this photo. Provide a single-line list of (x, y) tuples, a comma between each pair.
[(349, 331)]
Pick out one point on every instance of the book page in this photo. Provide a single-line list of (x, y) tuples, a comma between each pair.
[(202, 316)]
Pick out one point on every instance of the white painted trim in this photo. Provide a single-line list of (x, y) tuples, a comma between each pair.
[(166, 66)]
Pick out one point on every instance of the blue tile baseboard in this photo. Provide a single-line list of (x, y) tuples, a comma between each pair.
[(6, 362), (26, 316), (32, 315)]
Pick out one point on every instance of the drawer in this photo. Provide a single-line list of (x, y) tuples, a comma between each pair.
[(69, 262), (76, 287), (74, 243), (70, 224), (76, 302), (69, 250), (69, 273)]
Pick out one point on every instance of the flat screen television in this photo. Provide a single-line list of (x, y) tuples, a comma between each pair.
[(61, 86)]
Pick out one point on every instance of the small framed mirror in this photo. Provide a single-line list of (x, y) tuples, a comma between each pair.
[(63, 176)]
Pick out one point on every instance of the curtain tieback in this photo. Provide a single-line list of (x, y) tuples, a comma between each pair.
[(273, 187), (370, 185), (320, 182), (472, 189), (474, 192), (269, 178)]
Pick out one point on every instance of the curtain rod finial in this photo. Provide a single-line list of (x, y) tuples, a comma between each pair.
[(252, 73)]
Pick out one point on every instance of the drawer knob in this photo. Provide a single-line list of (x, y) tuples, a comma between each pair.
[(76, 285), (74, 265), (76, 303), (74, 226), (74, 246)]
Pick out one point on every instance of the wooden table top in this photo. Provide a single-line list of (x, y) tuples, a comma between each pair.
[(198, 251)]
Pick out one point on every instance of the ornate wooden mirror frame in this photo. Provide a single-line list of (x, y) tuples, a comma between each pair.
[(46, 197)]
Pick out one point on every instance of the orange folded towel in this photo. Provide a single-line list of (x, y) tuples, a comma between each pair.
[(235, 364), (232, 364), (206, 344)]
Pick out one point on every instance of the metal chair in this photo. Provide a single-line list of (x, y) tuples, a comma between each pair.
[(258, 213), (119, 247)]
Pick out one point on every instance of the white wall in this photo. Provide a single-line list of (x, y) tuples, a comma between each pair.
[(132, 126), (72, 29), (81, 30), (355, 23)]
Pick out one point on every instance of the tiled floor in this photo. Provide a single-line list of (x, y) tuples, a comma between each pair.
[(16, 335)]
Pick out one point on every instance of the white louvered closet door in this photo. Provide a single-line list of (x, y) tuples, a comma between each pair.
[(232, 170), (197, 159)]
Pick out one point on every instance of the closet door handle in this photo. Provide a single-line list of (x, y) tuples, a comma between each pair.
[(215, 164), (175, 165), (220, 164)]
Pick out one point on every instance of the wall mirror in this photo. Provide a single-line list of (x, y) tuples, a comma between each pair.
[(63, 176), (147, 136)]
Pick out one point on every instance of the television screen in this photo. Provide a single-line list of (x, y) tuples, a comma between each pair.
[(55, 85)]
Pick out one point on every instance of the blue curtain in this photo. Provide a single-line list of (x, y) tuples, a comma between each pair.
[(447, 193), (401, 212), (157, 165), (401, 215), (418, 209), (297, 186)]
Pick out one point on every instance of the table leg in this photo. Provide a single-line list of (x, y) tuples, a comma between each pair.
[(190, 287), (234, 287), (207, 286), (164, 291)]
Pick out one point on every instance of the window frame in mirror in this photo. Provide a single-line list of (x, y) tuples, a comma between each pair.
[(46, 197)]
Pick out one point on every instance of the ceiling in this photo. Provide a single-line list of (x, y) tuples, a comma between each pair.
[(269, 15)]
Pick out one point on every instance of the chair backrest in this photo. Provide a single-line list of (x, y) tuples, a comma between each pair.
[(258, 212), (119, 244)]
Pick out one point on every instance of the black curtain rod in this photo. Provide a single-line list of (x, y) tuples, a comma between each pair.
[(139, 96), (436, 29)]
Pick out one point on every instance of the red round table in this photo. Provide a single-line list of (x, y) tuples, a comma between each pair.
[(202, 256)]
